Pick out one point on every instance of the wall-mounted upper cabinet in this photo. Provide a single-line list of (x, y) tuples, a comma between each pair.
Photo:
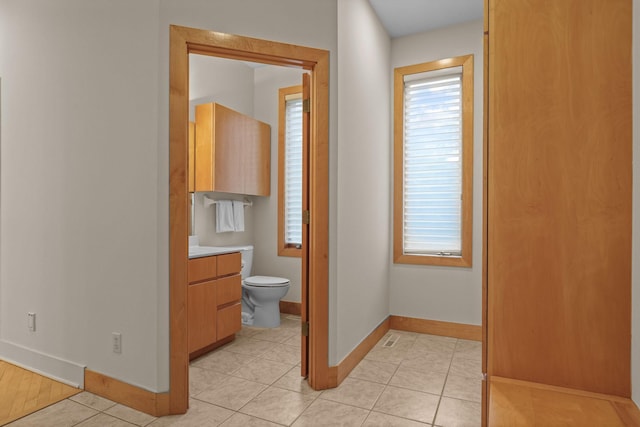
[(232, 152)]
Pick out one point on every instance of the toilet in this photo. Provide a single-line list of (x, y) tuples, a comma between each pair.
[(260, 295)]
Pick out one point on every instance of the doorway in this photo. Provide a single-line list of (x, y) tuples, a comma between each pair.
[(185, 41)]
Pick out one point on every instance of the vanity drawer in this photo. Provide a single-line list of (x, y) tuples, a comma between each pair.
[(229, 289), (229, 320), (202, 269), (229, 264)]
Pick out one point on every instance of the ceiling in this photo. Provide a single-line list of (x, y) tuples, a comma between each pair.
[(405, 17)]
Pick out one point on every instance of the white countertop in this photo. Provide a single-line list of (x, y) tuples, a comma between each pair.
[(202, 251)]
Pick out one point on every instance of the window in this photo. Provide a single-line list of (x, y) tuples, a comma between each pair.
[(433, 162), (290, 172)]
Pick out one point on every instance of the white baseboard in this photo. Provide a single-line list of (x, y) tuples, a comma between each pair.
[(53, 367)]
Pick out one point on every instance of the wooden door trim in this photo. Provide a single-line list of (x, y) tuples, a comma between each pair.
[(184, 41)]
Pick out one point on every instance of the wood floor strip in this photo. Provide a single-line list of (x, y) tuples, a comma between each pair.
[(23, 392), (514, 403)]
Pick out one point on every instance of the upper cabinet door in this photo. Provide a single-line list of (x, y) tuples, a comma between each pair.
[(233, 152), (559, 193)]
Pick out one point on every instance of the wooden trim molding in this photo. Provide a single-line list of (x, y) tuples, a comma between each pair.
[(156, 404), (290, 307), (342, 370), (184, 41), (436, 327)]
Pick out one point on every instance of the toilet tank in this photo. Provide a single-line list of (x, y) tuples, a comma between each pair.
[(246, 252)]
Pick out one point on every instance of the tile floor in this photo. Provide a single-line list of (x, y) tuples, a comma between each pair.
[(422, 380)]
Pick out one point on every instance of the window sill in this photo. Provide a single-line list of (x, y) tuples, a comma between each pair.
[(290, 252), (445, 261)]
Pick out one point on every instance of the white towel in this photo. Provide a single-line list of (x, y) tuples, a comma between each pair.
[(238, 215), (224, 216)]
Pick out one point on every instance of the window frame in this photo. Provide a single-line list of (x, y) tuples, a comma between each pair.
[(465, 258), (284, 249)]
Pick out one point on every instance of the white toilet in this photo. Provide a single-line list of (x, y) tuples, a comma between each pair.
[(260, 295)]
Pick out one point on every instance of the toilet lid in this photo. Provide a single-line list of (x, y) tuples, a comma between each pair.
[(266, 281)]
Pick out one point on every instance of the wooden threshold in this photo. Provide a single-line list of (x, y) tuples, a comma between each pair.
[(516, 403), (23, 392), (435, 327), (156, 404)]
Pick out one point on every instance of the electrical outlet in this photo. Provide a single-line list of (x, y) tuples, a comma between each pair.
[(116, 341), (31, 321)]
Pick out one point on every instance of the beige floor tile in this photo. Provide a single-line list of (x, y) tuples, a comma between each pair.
[(469, 349), (411, 404), (283, 353), (200, 414), (355, 392), (323, 413), (438, 362), (466, 367), (463, 388), (290, 322), (278, 335), (249, 346), (130, 415), (427, 381), (294, 382), (222, 361), (294, 341), (233, 393), (263, 371), (378, 419), (394, 354), (247, 332), (242, 420), (62, 414), (458, 413), (373, 370), (434, 344), (278, 405), (104, 420), (93, 401), (201, 379)]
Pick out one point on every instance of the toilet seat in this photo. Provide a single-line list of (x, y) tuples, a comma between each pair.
[(265, 281)]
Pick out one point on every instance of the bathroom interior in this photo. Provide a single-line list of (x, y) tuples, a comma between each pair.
[(252, 91)]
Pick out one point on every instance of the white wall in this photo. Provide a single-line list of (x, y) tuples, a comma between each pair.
[(79, 186), (444, 293), (635, 325), (363, 175), (268, 80)]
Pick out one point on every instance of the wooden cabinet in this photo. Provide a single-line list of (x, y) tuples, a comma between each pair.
[(233, 152), (558, 195), (213, 307)]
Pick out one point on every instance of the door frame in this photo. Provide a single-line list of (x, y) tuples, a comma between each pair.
[(183, 41)]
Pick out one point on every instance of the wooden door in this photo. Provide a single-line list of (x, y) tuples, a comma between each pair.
[(559, 193), (304, 280)]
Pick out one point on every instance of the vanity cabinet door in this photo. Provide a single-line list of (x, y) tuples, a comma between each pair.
[(202, 314), (229, 320)]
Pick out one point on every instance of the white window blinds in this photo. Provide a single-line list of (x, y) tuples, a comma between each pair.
[(432, 153), (293, 172)]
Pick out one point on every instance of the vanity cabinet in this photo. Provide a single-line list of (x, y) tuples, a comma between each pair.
[(232, 153), (214, 309)]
